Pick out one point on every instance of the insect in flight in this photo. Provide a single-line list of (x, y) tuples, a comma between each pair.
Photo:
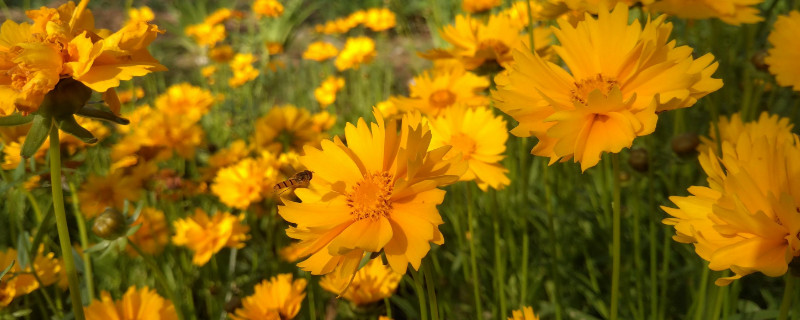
[(299, 180)]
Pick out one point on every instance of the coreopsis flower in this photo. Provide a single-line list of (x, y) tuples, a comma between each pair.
[(433, 92), (475, 6), (268, 8), (159, 135), (143, 13), (320, 51), (221, 15), (130, 95), (372, 283), (475, 42), (614, 87), (323, 121), (292, 252), (285, 128), (18, 281), (730, 129), (357, 51), (278, 298), (525, 314), (477, 137), (206, 236), (540, 11), (595, 6), (243, 71), (221, 54), (63, 44), (274, 47), (70, 144), (238, 150), (206, 34), (153, 233), (185, 101), (784, 56), (746, 220), (136, 304), (735, 12), (381, 196), (340, 25), (111, 190), (208, 73), (248, 181), (326, 92), (379, 19)]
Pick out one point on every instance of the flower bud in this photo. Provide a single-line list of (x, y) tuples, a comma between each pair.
[(110, 224), (638, 160), (66, 98), (685, 145), (758, 60)]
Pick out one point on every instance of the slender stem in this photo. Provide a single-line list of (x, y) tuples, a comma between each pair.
[(428, 271), (788, 291), (312, 306), (423, 307), (700, 312), (615, 206), (498, 256), (87, 257), (551, 232), (34, 205), (159, 277), (388, 307), (61, 224), (473, 261)]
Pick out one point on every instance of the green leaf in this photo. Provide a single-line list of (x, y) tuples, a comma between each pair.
[(36, 136), (15, 120), (44, 226), (68, 124), (24, 249), (101, 115), (19, 172), (2, 274)]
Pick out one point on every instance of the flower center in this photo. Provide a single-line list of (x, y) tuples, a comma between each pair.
[(498, 47), (463, 143), (371, 197), (586, 86), (442, 98)]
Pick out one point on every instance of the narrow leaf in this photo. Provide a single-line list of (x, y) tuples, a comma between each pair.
[(36, 136), (101, 115), (2, 274), (15, 120), (69, 125)]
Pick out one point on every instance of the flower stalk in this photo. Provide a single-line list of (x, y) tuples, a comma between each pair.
[(615, 242), (788, 293)]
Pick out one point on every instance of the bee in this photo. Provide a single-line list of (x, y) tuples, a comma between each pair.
[(299, 180)]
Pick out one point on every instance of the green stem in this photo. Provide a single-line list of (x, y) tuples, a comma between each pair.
[(87, 258), (388, 307), (423, 307), (473, 261), (615, 206), (159, 277), (701, 295), (428, 271), (61, 224), (498, 256), (788, 291), (551, 232)]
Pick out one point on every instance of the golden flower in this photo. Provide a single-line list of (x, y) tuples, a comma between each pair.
[(130, 95), (477, 137), (69, 143), (733, 12), (206, 34), (238, 150), (136, 304), (784, 56), (730, 130), (221, 54), (387, 108), (62, 43), (246, 182), (285, 128), (18, 282), (100, 192), (208, 235), (32, 183), (372, 283), (379, 19), (153, 234), (274, 47), (357, 51), (607, 100), (326, 92), (243, 71), (746, 220), (431, 94), (279, 298), (595, 6), (185, 101), (292, 252), (323, 121), (540, 10), (380, 196), (268, 8), (143, 13), (341, 25), (222, 15), (474, 6), (160, 134), (320, 51), (525, 314), (208, 73)]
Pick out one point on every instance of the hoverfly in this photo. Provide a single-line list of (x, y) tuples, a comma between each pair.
[(299, 180)]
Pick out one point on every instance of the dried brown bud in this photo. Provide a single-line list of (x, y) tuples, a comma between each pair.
[(638, 160), (685, 145)]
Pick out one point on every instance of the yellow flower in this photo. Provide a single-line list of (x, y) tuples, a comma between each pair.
[(730, 130), (379, 19), (475, 43), (341, 25), (274, 47), (143, 13), (733, 12), (746, 220), (129, 95), (616, 86), (243, 71), (185, 101), (207, 236), (34, 57), (206, 34), (18, 282), (372, 283), (387, 108), (431, 94), (69, 143), (153, 234), (136, 304), (208, 73), (477, 137), (784, 56), (246, 182), (380, 196), (279, 298), (292, 252), (285, 128), (540, 10), (221, 54), (326, 92), (595, 6), (525, 314), (222, 15), (158, 134), (323, 121), (100, 192), (320, 51), (238, 150), (357, 51), (475, 6), (268, 8)]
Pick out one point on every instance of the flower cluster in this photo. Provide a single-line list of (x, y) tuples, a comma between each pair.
[(212, 30), (143, 303), (206, 235), (326, 93), (376, 19), (278, 298)]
